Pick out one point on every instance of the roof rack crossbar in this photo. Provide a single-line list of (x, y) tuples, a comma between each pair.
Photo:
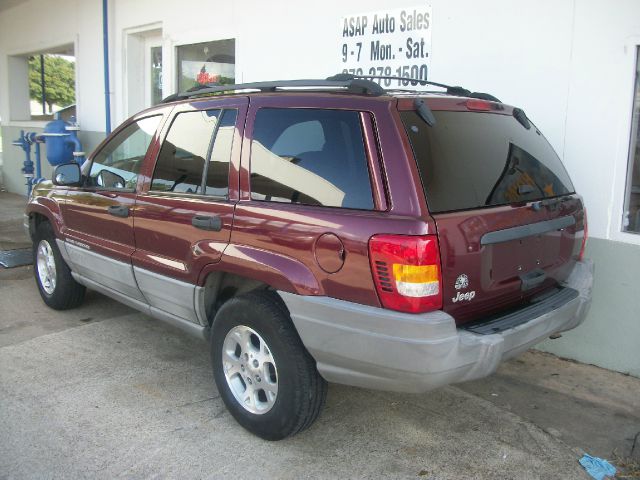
[(451, 90), (417, 81), (353, 85)]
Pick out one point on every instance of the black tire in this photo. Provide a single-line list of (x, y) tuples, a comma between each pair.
[(301, 391), (67, 293)]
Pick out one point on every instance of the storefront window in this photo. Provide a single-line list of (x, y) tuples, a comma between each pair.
[(631, 222), (207, 62)]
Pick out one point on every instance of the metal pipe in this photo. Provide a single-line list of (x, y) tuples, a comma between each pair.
[(44, 94), (24, 142), (105, 41), (38, 165), (78, 154)]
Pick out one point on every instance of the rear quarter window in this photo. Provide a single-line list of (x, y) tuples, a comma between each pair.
[(471, 160), (310, 157)]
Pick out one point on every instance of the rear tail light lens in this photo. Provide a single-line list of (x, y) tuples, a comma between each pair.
[(585, 235), (406, 272)]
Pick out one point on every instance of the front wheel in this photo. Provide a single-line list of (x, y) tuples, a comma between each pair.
[(265, 376), (57, 287)]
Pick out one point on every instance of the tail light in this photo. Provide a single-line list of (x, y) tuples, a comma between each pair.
[(406, 272), (479, 105), (585, 235)]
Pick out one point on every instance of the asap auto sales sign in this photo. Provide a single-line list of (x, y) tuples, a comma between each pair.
[(390, 43)]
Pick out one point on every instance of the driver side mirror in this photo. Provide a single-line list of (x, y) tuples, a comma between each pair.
[(67, 175)]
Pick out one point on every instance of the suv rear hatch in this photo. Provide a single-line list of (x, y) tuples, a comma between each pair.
[(510, 225)]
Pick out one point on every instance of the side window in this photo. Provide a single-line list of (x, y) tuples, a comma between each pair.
[(218, 170), (310, 156), (181, 160), (197, 147), (118, 163)]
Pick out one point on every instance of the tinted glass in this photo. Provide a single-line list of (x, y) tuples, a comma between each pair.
[(118, 163), (206, 62), (218, 170), (181, 160), (470, 160), (307, 156)]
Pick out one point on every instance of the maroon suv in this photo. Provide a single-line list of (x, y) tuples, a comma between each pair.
[(324, 230)]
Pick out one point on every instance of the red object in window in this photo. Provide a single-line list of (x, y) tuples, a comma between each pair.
[(204, 78), (406, 271)]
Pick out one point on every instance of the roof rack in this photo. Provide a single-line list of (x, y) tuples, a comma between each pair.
[(352, 85), (360, 84)]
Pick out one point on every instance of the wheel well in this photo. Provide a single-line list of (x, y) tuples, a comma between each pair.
[(35, 219), (221, 287)]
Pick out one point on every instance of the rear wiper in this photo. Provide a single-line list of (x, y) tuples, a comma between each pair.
[(521, 117)]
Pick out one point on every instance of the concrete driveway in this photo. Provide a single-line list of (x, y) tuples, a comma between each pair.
[(104, 392)]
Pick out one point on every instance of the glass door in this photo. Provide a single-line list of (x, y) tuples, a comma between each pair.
[(153, 71)]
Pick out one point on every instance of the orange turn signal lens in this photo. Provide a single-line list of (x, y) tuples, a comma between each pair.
[(415, 273)]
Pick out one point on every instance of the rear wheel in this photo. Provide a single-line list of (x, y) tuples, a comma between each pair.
[(265, 376), (57, 287)]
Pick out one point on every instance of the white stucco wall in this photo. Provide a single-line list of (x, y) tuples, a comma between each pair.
[(35, 26), (569, 64)]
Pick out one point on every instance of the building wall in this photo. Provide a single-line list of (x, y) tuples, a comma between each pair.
[(610, 335), (13, 157), (568, 63)]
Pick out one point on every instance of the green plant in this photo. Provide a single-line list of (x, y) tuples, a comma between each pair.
[(59, 78)]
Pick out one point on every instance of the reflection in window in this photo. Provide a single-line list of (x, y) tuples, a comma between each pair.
[(123, 156), (524, 177), (631, 221), (218, 169), (207, 62), (181, 160), (156, 75), (471, 160), (312, 157)]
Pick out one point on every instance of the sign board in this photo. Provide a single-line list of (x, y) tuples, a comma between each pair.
[(390, 43)]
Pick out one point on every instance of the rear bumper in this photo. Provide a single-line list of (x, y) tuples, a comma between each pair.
[(376, 348)]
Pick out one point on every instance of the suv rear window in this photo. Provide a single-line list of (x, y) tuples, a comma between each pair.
[(310, 156), (471, 160)]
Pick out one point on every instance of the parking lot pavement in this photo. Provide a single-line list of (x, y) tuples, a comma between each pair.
[(104, 392), (127, 396), (12, 234)]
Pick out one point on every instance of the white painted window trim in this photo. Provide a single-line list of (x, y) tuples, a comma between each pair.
[(621, 164), (33, 48), (189, 37), (25, 123), (120, 70)]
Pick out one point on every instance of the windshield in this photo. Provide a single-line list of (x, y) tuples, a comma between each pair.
[(471, 160)]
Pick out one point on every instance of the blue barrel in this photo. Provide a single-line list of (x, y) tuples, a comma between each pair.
[(56, 138)]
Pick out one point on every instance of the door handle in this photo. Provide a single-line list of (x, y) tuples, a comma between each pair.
[(207, 222), (118, 211)]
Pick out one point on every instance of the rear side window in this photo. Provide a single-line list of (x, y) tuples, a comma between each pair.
[(471, 160), (194, 157), (311, 157)]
